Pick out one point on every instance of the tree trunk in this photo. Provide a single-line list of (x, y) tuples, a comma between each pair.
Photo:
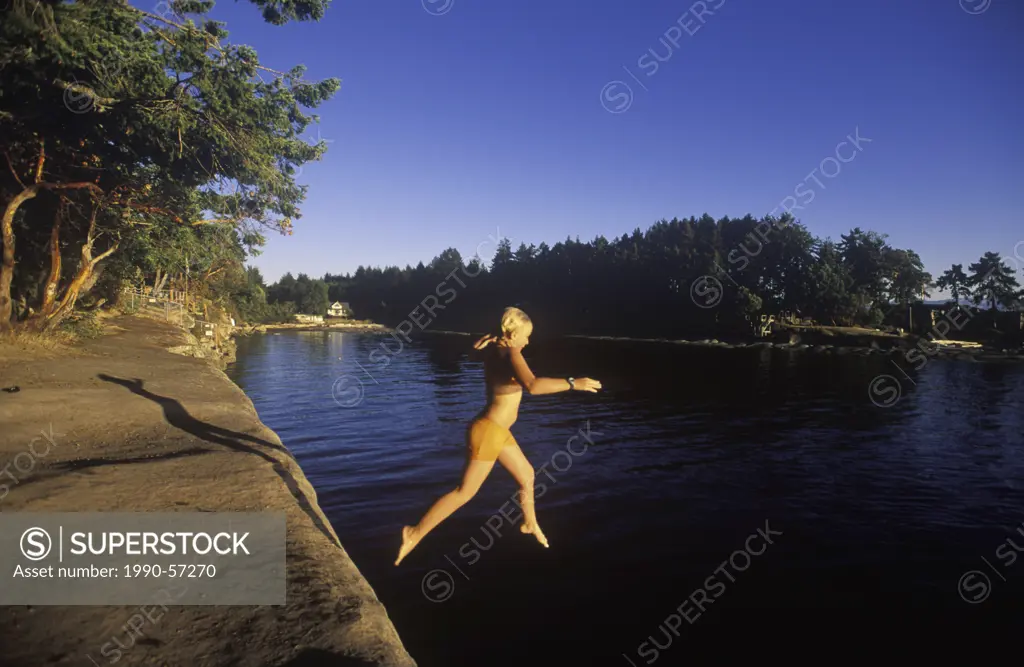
[(7, 225), (7, 265), (161, 280), (84, 273), (86, 265), (50, 291)]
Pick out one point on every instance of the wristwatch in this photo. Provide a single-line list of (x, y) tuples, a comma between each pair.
[(572, 383)]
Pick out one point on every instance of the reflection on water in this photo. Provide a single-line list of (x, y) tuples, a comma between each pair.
[(693, 449)]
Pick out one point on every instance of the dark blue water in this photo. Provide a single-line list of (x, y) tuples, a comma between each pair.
[(877, 524)]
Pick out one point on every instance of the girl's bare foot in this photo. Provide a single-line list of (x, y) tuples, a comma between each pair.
[(409, 542), (536, 532)]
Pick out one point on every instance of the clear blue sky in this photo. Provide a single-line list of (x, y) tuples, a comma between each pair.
[(489, 116)]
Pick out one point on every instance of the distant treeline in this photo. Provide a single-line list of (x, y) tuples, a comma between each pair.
[(679, 278)]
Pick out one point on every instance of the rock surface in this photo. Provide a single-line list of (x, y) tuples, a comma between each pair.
[(136, 428)]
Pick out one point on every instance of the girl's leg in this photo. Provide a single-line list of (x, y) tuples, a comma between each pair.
[(515, 462), (473, 476)]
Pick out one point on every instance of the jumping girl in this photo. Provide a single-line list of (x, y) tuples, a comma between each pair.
[(488, 437)]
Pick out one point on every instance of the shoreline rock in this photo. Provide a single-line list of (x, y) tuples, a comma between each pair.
[(362, 327), (900, 346), (220, 354), (140, 429), (861, 344)]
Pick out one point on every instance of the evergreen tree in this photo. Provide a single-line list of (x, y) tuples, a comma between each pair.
[(993, 280), (119, 127), (956, 282)]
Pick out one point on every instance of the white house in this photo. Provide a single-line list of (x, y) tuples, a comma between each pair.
[(339, 309)]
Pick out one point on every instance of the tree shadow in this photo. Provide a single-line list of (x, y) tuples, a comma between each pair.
[(84, 465), (177, 416)]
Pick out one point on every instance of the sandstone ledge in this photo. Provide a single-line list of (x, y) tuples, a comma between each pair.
[(187, 440)]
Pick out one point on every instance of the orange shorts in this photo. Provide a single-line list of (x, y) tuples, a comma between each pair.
[(486, 439)]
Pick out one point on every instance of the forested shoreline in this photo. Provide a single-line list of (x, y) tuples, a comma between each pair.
[(696, 276)]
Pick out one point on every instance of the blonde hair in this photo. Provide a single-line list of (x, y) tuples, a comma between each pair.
[(513, 320)]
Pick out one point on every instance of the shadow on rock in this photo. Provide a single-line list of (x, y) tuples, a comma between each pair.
[(177, 416)]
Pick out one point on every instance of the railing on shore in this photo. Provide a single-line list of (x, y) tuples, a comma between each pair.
[(167, 307)]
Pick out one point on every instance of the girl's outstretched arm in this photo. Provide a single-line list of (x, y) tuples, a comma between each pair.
[(542, 385)]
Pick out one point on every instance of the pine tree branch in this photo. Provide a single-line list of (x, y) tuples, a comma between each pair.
[(211, 41)]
